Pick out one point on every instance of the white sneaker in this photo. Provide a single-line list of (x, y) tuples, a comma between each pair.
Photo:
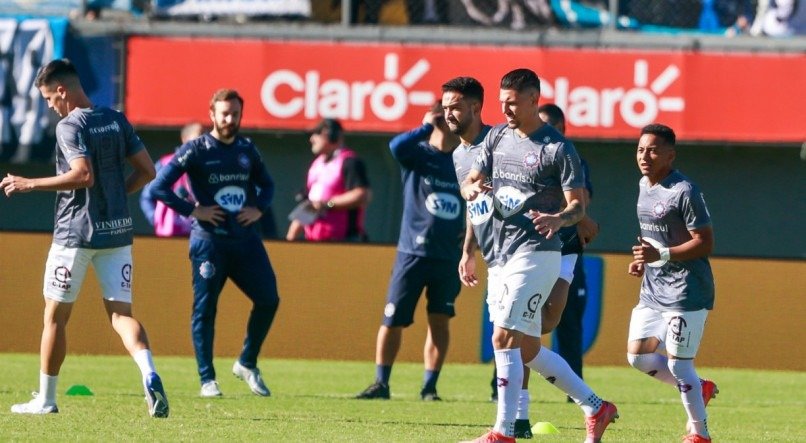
[(35, 406), (252, 378), (210, 389)]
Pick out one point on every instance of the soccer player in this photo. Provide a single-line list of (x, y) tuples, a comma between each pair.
[(535, 171), (462, 101), (92, 227), (677, 288), (561, 312), (427, 251), (232, 188)]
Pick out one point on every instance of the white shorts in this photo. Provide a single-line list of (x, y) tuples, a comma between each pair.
[(680, 331), (526, 282), (493, 288), (567, 266), (66, 268)]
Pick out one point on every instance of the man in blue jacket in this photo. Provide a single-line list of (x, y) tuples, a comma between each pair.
[(232, 189)]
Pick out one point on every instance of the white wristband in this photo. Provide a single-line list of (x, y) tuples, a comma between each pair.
[(665, 255)]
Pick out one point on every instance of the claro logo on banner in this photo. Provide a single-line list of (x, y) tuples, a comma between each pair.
[(390, 99), (637, 106), (606, 94), (314, 97)]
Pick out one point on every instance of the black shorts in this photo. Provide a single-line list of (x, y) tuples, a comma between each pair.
[(410, 275)]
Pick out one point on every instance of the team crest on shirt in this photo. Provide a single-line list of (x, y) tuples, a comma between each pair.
[(243, 160), (207, 270), (659, 209), (531, 160)]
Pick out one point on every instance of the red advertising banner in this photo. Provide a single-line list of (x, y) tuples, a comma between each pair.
[(606, 94)]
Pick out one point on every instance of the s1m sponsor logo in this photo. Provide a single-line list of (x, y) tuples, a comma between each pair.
[(443, 205), (230, 198), (637, 106), (481, 209), (509, 200), (313, 96)]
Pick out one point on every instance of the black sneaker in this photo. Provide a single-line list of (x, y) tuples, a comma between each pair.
[(376, 390), (429, 395), (523, 429)]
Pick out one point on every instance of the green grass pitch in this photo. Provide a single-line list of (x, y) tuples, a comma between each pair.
[(312, 402)]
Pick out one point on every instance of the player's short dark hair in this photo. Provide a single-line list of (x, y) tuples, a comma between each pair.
[(661, 131), (57, 71), (223, 95), (469, 87), (553, 112), (520, 80)]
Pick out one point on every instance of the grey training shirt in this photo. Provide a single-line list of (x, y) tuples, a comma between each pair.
[(527, 173), (96, 217), (667, 212), (480, 210)]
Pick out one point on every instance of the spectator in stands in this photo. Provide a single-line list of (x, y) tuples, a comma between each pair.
[(774, 18), (422, 12), (166, 222), (337, 192), (520, 13)]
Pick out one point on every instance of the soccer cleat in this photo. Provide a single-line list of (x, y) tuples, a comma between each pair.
[(35, 406), (492, 437), (696, 438), (523, 429), (376, 390), (210, 389), (596, 424), (252, 378), (709, 390), (155, 396), (430, 395)]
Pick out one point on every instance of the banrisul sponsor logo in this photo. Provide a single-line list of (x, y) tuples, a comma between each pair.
[(443, 205), (385, 94)]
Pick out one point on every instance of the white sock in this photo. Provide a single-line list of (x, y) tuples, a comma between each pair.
[(509, 365), (47, 388), (553, 368), (145, 362), (523, 405), (654, 365), (691, 394)]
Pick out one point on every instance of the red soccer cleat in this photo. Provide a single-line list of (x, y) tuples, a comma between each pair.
[(696, 438), (492, 437), (709, 390), (596, 424)]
